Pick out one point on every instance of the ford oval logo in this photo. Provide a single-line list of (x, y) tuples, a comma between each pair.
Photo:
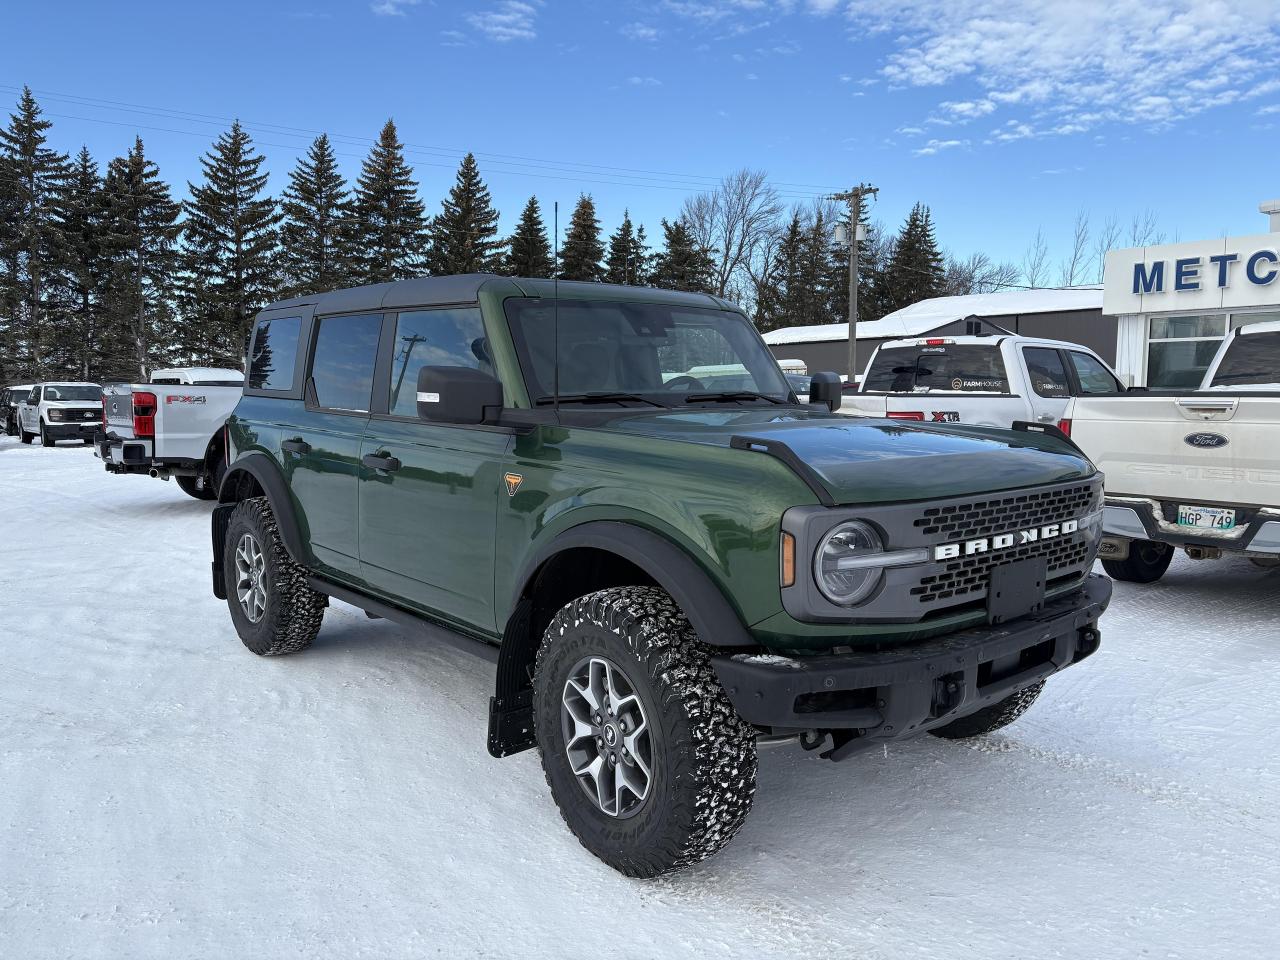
[(1205, 440)]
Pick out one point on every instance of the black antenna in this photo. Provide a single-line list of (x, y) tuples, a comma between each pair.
[(555, 317)]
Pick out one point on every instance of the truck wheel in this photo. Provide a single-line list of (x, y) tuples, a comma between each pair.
[(991, 718), (273, 609), (44, 436), (198, 487), (1146, 563), (24, 436), (650, 765)]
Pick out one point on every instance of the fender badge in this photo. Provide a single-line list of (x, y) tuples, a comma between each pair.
[(513, 482)]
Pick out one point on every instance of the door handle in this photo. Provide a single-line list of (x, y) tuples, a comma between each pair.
[(380, 461), (296, 445)]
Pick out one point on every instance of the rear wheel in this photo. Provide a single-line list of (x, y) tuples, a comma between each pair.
[(198, 487), (991, 718), (273, 609), (1146, 563), (650, 765)]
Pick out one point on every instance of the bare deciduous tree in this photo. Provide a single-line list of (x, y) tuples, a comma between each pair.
[(1108, 239), (979, 274), (1035, 262), (1144, 229), (1074, 267), (731, 221)]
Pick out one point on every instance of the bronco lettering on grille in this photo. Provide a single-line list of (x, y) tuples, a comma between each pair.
[(1003, 541)]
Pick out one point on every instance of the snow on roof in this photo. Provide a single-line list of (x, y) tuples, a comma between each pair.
[(930, 314)]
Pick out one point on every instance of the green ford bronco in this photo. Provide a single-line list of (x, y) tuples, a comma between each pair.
[(614, 494)]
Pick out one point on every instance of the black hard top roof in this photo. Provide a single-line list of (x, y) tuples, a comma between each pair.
[(465, 288)]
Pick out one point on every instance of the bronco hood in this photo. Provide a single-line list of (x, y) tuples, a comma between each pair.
[(862, 460)]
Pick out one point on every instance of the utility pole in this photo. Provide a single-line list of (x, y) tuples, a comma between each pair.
[(854, 198)]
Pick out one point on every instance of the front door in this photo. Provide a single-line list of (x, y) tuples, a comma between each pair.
[(321, 453), (429, 492)]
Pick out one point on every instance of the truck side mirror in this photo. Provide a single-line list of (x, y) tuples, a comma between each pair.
[(825, 388), (458, 395)]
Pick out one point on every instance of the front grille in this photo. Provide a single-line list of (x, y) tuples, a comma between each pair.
[(965, 579), (964, 521)]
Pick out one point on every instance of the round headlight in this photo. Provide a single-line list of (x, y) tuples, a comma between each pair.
[(845, 565)]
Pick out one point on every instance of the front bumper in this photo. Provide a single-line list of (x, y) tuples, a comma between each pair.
[(1139, 518), (885, 695), (77, 429)]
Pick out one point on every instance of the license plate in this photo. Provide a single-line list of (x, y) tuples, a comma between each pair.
[(1212, 518)]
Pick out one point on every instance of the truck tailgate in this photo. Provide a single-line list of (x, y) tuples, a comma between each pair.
[(1202, 447)]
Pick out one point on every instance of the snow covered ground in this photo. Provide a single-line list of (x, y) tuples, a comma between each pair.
[(164, 793)]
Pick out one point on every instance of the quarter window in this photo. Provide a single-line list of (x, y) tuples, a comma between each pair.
[(1048, 375), (1094, 377), (434, 338), (274, 353), (342, 363)]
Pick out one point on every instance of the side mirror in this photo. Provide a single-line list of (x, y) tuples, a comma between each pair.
[(825, 388), (458, 395)]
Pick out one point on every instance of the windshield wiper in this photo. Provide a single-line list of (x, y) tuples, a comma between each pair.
[(599, 396), (724, 396)]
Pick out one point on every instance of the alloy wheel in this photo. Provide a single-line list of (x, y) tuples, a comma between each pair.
[(251, 567), (606, 737)]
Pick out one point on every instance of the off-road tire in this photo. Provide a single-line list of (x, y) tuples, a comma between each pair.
[(1146, 563), (992, 718), (293, 610), (703, 755), (198, 487)]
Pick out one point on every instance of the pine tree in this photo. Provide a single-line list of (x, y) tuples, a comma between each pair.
[(464, 233), (391, 232), (682, 264), (10, 281), (229, 252), (529, 252), (142, 231), (86, 266), (628, 258), (915, 269), (317, 227), (40, 178), (582, 251)]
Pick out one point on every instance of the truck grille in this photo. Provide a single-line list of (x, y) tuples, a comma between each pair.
[(965, 579)]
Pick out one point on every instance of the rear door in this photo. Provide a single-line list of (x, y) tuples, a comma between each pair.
[(429, 492), (1049, 383), (321, 453)]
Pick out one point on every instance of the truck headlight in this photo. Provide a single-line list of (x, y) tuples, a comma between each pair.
[(851, 559), (55, 414)]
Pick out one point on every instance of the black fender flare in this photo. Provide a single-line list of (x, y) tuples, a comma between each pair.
[(267, 473), (670, 566)]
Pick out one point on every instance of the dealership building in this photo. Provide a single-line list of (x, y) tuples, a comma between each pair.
[(1158, 317)]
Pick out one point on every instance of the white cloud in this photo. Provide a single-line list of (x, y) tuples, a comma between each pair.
[(1065, 68), (751, 76), (508, 20), (644, 81), (934, 146), (639, 31), (454, 38), (392, 8), (1268, 109)]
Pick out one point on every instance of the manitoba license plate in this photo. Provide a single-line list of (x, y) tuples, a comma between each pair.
[(1214, 518)]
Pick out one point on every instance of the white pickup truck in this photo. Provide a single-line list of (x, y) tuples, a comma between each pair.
[(1198, 470), (991, 381), (171, 427), (60, 411)]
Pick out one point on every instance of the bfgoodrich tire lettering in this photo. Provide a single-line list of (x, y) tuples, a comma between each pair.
[(702, 754), (992, 718), (293, 610)]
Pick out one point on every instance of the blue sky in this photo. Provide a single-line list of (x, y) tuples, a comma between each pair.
[(1005, 116)]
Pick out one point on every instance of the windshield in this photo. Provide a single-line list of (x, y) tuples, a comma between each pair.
[(658, 353), (74, 392), (964, 368), (1252, 360)]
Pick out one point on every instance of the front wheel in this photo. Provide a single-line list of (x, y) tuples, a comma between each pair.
[(1146, 563), (273, 609), (45, 440), (24, 436), (650, 765)]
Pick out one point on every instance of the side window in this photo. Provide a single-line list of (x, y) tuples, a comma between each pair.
[(34, 395), (1094, 377), (434, 338), (1048, 375), (343, 360), (273, 354)]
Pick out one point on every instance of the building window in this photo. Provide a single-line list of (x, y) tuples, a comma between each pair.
[(1244, 319), (1180, 349)]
